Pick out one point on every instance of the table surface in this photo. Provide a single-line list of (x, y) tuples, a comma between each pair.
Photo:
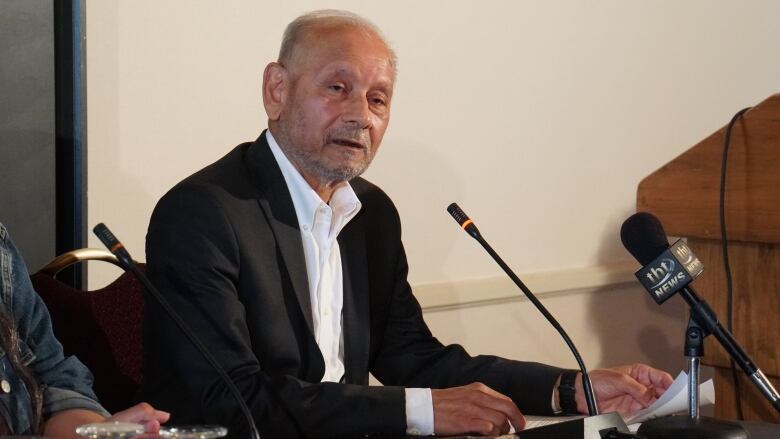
[(756, 430)]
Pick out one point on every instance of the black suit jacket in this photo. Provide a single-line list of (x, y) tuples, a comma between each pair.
[(224, 247)]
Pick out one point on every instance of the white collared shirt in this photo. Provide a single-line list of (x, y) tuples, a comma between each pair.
[(320, 224)]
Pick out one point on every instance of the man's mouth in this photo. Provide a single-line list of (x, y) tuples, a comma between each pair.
[(348, 143)]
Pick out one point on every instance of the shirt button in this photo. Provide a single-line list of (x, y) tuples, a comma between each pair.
[(6, 386)]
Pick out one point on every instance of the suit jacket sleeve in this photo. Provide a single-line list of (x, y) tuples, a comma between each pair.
[(409, 355), (193, 258)]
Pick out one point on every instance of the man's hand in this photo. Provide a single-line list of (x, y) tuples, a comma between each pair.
[(475, 408), (623, 389), (144, 414)]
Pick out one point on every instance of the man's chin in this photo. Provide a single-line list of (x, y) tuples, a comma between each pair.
[(346, 170), (336, 173), (346, 174)]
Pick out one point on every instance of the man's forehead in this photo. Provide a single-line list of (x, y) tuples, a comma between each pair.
[(341, 42), (326, 32)]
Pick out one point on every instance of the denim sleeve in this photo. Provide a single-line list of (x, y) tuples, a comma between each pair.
[(56, 399), (67, 383)]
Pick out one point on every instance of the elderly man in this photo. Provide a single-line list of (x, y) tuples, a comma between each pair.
[(291, 269)]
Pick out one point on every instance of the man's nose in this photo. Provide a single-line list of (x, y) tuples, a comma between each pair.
[(357, 112)]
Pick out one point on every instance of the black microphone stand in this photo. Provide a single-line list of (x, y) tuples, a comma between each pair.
[(255, 434), (469, 227), (644, 237), (608, 426), (704, 316), (693, 426), (127, 263), (590, 398), (694, 350)]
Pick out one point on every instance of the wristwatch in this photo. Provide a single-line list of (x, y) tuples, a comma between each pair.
[(566, 392)]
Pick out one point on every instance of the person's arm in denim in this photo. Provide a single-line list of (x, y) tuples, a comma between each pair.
[(66, 382), (68, 398)]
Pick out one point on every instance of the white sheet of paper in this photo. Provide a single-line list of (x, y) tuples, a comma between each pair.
[(674, 400), (532, 421)]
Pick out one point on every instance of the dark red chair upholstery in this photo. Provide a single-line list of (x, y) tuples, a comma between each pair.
[(103, 329)]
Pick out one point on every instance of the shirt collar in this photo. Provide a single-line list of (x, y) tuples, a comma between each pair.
[(306, 201)]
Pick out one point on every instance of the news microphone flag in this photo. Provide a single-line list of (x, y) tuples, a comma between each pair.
[(670, 272)]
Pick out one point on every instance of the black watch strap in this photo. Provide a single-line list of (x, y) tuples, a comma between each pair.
[(566, 392)]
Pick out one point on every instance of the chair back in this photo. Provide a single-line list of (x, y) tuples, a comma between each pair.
[(103, 328)]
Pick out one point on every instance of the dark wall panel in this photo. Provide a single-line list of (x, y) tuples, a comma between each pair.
[(27, 127)]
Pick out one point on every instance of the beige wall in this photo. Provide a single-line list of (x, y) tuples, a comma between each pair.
[(610, 326), (540, 118)]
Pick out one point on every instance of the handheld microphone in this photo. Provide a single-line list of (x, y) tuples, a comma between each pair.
[(469, 227), (667, 269), (114, 246)]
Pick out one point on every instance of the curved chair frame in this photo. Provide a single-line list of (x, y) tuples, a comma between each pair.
[(75, 256)]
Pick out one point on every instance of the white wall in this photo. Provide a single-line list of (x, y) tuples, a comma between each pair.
[(539, 118), (610, 326)]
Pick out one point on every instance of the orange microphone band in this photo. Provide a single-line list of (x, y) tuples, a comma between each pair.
[(116, 247), (466, 224)]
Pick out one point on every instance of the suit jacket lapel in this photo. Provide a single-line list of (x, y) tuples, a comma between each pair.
[(279, 210), (356, 301)]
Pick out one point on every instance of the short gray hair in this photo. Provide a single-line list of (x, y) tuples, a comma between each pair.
[(298, 28)]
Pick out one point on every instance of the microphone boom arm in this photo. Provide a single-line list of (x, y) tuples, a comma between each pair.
[(586, 383), (126, 262), (469, 227)]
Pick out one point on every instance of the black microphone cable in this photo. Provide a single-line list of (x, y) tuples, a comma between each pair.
[(725, 248), (469, 227)]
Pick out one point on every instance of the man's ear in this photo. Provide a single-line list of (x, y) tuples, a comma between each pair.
[(275, 88)]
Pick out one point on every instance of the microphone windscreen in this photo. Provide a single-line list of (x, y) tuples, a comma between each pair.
[(457, 213), (105, 236), (644, 237)]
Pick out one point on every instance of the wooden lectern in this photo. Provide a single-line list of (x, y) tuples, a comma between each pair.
[(684, 195)]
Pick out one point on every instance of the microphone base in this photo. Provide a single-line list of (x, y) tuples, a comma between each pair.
[(602, 426), (683, 427)]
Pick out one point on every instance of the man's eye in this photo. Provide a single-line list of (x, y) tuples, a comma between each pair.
[(336, 87), (378, 101)]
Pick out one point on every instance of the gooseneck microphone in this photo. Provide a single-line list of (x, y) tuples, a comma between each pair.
[(469, 227), (669, 270), (126, 262)]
